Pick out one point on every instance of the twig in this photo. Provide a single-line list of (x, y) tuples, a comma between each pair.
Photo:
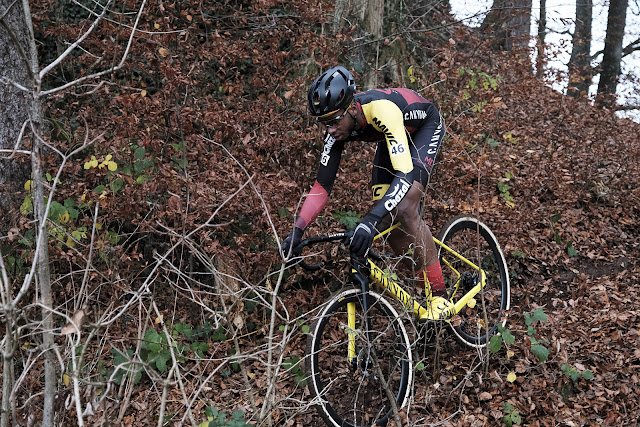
[(100, 73)]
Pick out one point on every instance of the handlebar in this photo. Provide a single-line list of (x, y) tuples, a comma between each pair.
[(342, 237)]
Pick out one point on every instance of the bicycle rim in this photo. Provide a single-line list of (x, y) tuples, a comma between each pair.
[(352, 394), (474, 240)]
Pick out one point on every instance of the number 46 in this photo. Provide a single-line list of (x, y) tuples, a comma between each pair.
[(397, 149)]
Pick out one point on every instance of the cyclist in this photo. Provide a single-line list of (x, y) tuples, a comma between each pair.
[(409, 130)]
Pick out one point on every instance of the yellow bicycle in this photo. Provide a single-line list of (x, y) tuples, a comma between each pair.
[(359, 360)]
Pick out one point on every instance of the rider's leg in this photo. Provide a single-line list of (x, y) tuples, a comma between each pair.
[(414, 234)]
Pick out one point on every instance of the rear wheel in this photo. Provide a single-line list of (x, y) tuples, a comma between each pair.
[(351, 392), (474, 241)]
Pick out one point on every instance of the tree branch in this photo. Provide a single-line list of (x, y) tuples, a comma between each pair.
[(627, 107), (631, 47), (98, 74), (70, 49)]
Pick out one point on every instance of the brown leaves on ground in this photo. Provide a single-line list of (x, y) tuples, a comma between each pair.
[(224, 132)]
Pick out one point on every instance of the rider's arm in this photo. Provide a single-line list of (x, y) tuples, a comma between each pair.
[(319, 194), (386, 117)]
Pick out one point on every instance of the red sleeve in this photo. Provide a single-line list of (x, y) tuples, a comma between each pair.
[(312, 206)]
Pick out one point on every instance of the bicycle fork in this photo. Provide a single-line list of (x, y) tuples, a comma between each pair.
[(361, 280)]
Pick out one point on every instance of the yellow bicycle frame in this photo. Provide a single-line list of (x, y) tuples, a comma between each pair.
[(392, 288), (396, 291)]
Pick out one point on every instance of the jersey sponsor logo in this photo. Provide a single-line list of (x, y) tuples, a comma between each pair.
[(328, 143), (387, 133), (415, 115), (396, 195), (379, 191), (435, 140)]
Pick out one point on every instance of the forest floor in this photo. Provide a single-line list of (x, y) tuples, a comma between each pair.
[(214, 148)]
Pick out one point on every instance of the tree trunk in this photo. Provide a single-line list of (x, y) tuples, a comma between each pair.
[(40, 214), (509, 23), (612, 52), (19, 65), (580, 71), (542, 32), (13, 108), (339, 11), (373, 19)]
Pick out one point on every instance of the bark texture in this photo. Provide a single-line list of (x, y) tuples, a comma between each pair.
[(580, 71), (509, 23), (14, 105), (612, 52)]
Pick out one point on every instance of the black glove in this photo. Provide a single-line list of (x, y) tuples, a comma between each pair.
[(363, 235), (292, 240)]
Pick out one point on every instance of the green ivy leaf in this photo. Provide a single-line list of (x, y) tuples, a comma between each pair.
[(347, 218), (541, 352), (508, 337), (283, 212), (116, 185), (139, 153), (539, 314), (515, 417), (518, 254), (219, 335), (161, 361), (587, 374), (495, 343)]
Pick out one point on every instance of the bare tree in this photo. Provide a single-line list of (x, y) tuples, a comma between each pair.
[(509, 23), (542, 32), (580, 70), (613, 50), (21, 79)]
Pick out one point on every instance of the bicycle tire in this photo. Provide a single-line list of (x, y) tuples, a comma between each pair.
[(349, 396), (474, 240)]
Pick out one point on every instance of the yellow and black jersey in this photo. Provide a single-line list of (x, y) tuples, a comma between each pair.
[(409, 130)]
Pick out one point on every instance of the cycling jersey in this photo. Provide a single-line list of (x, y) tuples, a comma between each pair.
[(410, 131)]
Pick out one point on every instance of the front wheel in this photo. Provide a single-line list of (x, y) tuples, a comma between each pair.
[(472, 239), (348, 390)]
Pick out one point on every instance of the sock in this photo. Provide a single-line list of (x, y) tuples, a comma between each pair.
[(432, 275)]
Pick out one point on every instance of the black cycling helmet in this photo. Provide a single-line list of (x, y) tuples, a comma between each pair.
[(332, 91)]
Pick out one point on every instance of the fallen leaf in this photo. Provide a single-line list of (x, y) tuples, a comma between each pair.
[(484, 396), (75, 324)]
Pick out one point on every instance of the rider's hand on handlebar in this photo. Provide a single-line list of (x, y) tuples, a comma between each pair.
[(292, 241), (363, 235)]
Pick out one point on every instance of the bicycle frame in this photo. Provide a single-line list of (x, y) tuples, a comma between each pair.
[(397, 292), (363, 328), (393, 289)]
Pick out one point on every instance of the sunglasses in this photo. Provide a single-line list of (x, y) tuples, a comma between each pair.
[(334, 121)]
